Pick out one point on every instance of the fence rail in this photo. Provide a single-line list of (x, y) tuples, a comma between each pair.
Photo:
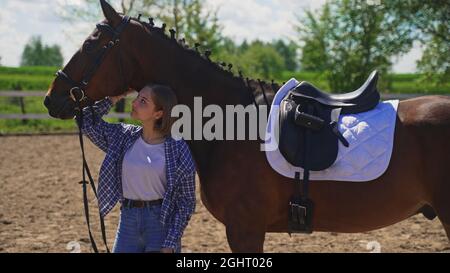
[(46, 116), (9, 93), (21, 94), (41, 116)]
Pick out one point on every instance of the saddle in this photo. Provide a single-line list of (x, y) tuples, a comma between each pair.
[(309, 136)]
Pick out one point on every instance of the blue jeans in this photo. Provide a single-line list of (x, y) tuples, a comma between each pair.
[(140, 230)]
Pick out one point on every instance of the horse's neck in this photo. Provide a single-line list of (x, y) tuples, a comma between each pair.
[(192, 77)]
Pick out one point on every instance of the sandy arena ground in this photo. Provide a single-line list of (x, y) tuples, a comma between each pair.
[(41, 210)]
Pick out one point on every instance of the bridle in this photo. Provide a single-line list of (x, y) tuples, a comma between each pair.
[(81, 86), (77, 93)]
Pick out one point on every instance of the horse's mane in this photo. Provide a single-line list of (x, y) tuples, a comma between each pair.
[(255, 87)]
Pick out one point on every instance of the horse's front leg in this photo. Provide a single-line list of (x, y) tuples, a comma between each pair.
[(245, 238), (245, 226)]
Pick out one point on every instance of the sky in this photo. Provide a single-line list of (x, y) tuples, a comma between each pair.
[(241, 19)]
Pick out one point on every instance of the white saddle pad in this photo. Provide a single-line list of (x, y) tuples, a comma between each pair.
[(370, 135)]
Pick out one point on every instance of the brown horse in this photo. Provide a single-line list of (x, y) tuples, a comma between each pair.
[(238, 186)]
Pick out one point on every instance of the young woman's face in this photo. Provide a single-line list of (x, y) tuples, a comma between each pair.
[(143, 107)]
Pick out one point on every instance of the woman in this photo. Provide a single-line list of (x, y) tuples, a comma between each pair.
[(150, 173)]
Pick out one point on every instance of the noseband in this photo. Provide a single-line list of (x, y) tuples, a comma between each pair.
[(77, 93), (77, 89)]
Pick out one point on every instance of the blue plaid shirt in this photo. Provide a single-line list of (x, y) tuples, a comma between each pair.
[(115, 139)]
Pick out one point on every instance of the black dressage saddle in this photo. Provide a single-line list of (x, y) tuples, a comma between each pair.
[(309, 136)]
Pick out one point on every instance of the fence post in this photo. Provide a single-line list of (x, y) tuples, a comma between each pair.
[(18, 87), (120, 108)]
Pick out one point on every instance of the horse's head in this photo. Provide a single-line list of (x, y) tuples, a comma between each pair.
[(102, 67)]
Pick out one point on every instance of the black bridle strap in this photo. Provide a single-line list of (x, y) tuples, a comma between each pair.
[(114, 40), (66, 78), (99, 59)]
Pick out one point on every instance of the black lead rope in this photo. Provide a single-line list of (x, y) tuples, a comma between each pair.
[(79, 119)]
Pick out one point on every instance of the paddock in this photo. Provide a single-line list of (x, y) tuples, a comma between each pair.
[(41, 210)]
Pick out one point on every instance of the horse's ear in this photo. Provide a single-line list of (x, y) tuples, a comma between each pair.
[(110, 14)]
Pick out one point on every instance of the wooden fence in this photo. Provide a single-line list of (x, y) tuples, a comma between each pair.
[(23, 115)]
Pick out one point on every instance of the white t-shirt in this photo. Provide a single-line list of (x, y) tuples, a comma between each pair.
[(144, 171)]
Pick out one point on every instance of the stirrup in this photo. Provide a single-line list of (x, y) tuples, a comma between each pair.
[(300, 215)]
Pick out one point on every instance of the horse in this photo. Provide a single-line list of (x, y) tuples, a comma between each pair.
[(237, 185)]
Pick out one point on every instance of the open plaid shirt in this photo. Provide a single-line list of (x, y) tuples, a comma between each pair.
[(115, 139)]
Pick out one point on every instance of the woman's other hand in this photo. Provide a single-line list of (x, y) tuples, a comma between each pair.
[(167, 250)]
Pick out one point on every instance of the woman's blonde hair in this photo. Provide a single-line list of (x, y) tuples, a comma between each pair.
[(164, 99)]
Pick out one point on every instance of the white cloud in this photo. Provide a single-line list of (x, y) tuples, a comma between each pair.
[(242, 19), (264, 20), (20, 20)]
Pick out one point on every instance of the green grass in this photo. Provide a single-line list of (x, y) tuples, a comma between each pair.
[(316, 79), (416, 84), (28, 82), (40, 78), (45, 126), (35, 105), (26, 78), (29, 70)]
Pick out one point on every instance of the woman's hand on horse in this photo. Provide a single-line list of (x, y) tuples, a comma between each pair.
[(115, 99)]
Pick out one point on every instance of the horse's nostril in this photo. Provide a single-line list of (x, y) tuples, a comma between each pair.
[(47, 101)]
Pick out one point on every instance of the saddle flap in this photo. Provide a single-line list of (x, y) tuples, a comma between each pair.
[(307, 120), (322, 141)]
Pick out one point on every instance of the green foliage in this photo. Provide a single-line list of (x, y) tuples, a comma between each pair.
[(195, 23), (350, 38), (35, 105), (39, 78), (288, 51), (399, 83), (261, 61), (37, 54), (191, 19), (256, 60), (436, 61), (312, 32), (428, 21)]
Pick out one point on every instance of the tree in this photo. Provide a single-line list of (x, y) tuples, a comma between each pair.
[(204, 29), (289, 53), (262, 61), (312, 31), (244, 46), (349, 39), (255, 60), (37, 54), (189, 18), (435, 62), (429, 22)]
